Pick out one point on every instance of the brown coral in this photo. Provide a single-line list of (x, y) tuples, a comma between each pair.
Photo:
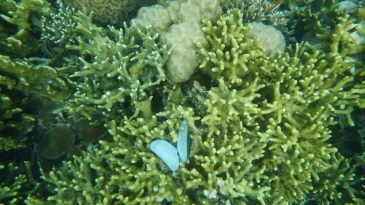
[(89, 133), (56, 142), (109, 11)]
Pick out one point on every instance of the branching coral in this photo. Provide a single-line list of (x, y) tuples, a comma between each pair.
[(295, 97), (117, 69), (260, 137), (109, 11), (259, 11), (62, 28), (21, 15), (13, 120), (11, 190), (26, 77)]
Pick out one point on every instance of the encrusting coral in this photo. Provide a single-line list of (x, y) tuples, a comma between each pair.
[(26, 16), (21, 15), (24, 76), (259, 138)]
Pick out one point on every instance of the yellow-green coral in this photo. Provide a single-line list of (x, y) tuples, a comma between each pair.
[(21, 44), (21, 15), (13, 120), (45, 80), (119, 72), (262, 138), (109, 11), (9, 189), (295, 99)]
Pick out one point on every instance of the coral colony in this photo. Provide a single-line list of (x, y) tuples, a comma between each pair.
[(181, 102)]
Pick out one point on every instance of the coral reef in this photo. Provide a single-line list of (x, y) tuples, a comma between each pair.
[(109, 11), (336, 29), (19, 44), (15, 184), (262, 11), (18, 80), (24, 76), (293, 104), (260, 137), (258, 123), (269, 38), (11, 190), (178, 23), (14, 121), (120, 71), (55, 29), (26, 16), (21, 15)]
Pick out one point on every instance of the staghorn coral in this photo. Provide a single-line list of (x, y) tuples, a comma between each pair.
[(17, 182), (260, 137), (332, 28), (17, 44), (20, 42), (120, 71), (80, 181), (292, 109), (11, 190), (58, 30), (262, 11)]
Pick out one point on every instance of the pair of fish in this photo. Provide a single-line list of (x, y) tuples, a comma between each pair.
[(168, 153)]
